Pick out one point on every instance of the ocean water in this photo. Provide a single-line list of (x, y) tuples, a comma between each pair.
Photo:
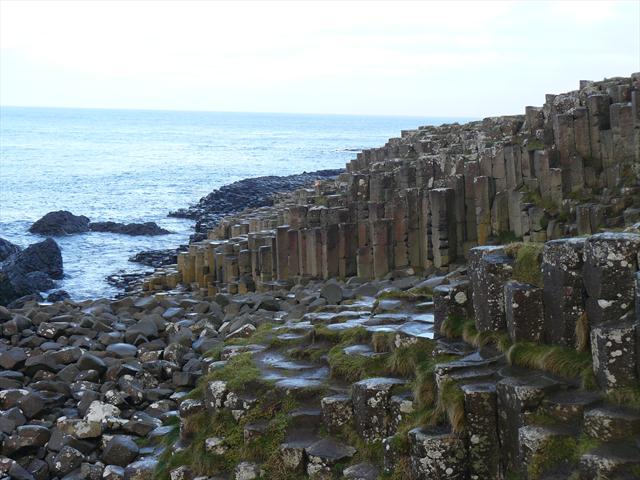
[(136, 166)]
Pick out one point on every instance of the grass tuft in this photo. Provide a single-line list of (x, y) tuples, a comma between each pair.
[(451, 403), (240, 373), (453, 326), (353, 368), (528, 261), (563, 361), (383, 342)]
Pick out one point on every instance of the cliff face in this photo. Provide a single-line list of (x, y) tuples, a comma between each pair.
[(517, 357)]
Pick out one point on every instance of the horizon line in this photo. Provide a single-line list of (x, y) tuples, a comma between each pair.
[(446, 117)]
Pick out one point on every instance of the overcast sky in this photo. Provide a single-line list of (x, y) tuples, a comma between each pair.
[(429, 59)]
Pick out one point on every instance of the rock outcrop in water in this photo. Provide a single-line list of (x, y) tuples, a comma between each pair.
[(61, 222), (375, 326), (66, 223), (30, 271), (136, 229)]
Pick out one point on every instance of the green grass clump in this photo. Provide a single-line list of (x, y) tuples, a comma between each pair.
[(527, 267), (499, 339), (451, 403), (264, 449), (559, 451), (563, 361), (453, 326), (264, 335), (239, 373), (383, 342), (404, 361), (415, 293), (353, 368)]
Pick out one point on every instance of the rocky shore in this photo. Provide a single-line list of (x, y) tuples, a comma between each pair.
[(243, 194), (462, 303)]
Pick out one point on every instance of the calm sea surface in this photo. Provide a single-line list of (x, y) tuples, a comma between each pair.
[(136, 166)]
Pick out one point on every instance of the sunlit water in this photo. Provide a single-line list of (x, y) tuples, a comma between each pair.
[(136, 166)]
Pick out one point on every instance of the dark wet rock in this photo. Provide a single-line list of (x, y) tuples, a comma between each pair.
[(61, 222), (22, 301), (91, 362), (67, 460), (332, 293), (121, 450), (30, 270), (7, 249), (58, 296), (122, 350), (135, 229)]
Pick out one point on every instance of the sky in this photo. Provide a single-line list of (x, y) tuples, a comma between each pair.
[(457, 59)]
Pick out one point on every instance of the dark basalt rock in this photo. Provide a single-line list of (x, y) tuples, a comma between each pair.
[(135, 229), (61, 222), (246, 193), (30, 271), (7, 249), (156, 258), (58, 296)]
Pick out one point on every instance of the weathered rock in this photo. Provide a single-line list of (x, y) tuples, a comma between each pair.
[(524, 312), (67, 460), (60, 222), (437, 453), (324, 454), (613, 349), (337, 411), (481, 420), (371, 406), (493, 271)]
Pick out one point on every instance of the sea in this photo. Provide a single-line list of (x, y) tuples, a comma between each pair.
[(137, 165)]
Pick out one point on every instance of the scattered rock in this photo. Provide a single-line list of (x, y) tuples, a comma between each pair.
[(61, 222)]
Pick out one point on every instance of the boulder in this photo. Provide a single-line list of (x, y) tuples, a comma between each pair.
[(7, 249), (147, 228), (61, 222), (121, 450), (30, 271)]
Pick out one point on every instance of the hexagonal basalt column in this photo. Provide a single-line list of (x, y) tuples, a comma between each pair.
[(517, 395), (451, 300), (492, 272), (437, 454), (371, 406), (610, 265), (337, 411), (613, 347), (524, 312), (563, 289), (482, 429)]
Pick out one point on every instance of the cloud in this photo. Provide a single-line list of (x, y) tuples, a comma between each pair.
[(266, 56)]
